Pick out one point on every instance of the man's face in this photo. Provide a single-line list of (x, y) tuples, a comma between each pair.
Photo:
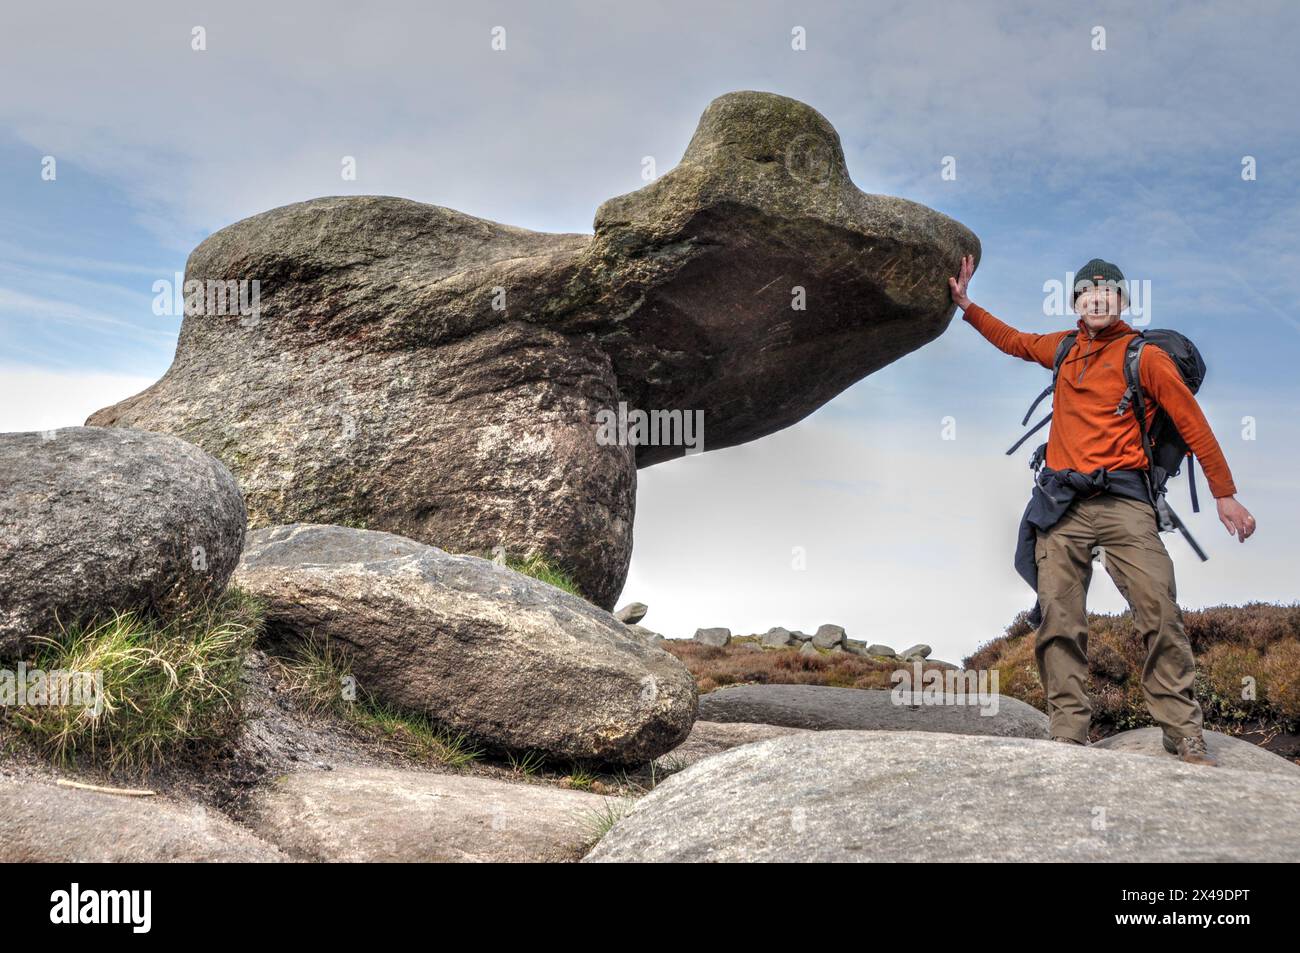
[(1099, 304)]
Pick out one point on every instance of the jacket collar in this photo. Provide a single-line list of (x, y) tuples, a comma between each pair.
[(1118, 329)]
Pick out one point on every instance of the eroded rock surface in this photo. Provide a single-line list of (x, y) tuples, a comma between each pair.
[(413, 369)]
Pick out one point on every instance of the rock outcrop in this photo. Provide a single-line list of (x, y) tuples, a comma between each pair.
[(480, 648), (96, 520), (396, 815), (714, 637), (916, 796), (1233, 754), (413, 369), (708, 738), (44, 823), (823, 708)]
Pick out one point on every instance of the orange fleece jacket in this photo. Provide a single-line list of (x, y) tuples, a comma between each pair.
[(1086, 434)]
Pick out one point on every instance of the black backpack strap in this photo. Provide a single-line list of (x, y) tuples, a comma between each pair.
[(1133, 397), (1165, 516), (1029, 433), (1191, 482), (1062, 349)]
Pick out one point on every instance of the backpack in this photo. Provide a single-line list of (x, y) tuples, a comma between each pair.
[(1165, 448)]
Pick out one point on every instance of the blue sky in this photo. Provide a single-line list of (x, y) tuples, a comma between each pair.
[(1063, 153)]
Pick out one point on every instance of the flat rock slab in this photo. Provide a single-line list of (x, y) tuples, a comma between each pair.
[(1232, 753), (822, 708), (932, 797), (398, 815), (96, 520), (46, 823), (708, 738), (479, 648)]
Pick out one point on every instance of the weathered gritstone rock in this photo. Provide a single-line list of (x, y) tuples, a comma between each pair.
[(96, 520), (421, 371), (479, 648), (714, 637), (828, 636), (822, 708), (643, 632), (398, 815), (777, 637), (916, 796), (45, 823), (632, 613), (1233, 754), (708, 738)]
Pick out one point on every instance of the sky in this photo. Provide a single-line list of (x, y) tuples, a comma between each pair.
[(1063, 151)]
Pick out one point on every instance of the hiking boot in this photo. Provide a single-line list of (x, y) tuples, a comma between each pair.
[(1191, 749), (1068, 741)]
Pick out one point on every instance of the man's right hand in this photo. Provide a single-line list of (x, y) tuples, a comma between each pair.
[(959, 284)]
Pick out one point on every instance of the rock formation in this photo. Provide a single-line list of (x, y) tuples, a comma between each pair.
[(930, 797), (825, 708), (409, 368), (479, 648), (96, 520)]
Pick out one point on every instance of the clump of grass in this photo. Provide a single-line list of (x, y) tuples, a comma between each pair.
[(164, 685), (581, 779), (600, 820), (319, 676), (541, 568), (526, 764)]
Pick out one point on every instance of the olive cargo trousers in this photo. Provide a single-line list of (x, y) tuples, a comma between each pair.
[(1135, 557)]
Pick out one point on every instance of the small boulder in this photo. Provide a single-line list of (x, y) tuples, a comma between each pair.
[(828, 636), (715, 637), (96, 520), (777, 638), (881, 651), (632, 613), (916, 651), (807, 648)]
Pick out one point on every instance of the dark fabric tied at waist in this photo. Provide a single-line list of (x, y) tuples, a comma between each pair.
[(1055, 491)]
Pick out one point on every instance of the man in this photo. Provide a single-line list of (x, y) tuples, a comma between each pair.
[(1094, 466)]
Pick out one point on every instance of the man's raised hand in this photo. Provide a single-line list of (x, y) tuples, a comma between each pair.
[(959, 284)]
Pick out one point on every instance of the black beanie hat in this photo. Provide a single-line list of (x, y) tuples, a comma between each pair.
[(1096, 272)]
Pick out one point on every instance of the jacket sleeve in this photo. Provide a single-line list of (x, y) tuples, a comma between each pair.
[(1040, 348), (1160, 378)]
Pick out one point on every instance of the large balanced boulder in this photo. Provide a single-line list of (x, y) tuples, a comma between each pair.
[(1233, 754), (823, 708), (919, 796), (413, 369), (394, 815), (44, 823), (97, 520), (479, 648)]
